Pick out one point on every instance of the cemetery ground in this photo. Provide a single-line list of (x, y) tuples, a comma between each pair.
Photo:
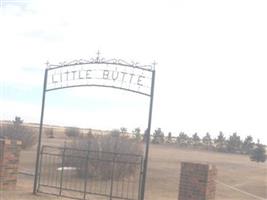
[(238, 177)]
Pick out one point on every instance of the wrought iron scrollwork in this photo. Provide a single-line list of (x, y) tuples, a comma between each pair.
[(101, 60)]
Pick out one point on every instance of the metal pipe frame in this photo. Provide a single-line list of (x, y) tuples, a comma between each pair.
[(99, 61)]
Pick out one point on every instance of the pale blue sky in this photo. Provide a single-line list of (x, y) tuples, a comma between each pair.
[(211, 55)]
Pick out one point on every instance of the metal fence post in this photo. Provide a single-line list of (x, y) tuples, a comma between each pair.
[(40, 169), (147, 137), (37, 162)]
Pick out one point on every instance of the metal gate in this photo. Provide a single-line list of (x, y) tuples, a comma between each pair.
[(82, 174), (100, 72)]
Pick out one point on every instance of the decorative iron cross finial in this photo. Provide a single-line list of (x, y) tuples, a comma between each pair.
[(154, 65), (98, 55), (47, 64)]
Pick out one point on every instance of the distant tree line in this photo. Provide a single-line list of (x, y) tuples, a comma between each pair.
[(232, 144)]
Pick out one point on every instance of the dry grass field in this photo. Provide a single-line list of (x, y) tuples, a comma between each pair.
[(238, 177), (233, 170)]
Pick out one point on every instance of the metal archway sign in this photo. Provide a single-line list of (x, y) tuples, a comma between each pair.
[(100, 72)]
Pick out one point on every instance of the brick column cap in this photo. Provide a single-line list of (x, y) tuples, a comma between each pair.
[(207, 165), (8, 141)]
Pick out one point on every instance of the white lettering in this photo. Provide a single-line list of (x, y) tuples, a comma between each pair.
[(88, 74), (139, 80), (105, 74), (53, 81), (73, 75), (131, 78), (115, 75), (123, 75), (80, 75)]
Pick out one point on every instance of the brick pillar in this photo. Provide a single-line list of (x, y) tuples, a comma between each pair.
[(197, 181), (9, 160)]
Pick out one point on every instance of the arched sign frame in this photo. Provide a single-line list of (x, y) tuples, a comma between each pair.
[(135, 78)]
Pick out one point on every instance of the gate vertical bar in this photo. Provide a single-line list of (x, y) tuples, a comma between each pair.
[(37, 162), (40, 168), (140, 178), (148, 136), (112, 175), (86, 173), (62, 170)]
